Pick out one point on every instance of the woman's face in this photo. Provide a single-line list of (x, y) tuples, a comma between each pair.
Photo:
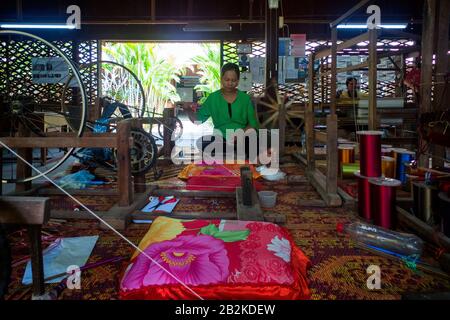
[(230, 80)]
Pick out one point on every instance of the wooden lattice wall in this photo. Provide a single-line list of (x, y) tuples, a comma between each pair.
[(15, 68), (387, 82)]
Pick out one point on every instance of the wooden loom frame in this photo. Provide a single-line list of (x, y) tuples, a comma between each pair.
[(326, 185)]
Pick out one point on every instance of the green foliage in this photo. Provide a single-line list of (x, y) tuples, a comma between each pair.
[(209, 69), (156, 73)]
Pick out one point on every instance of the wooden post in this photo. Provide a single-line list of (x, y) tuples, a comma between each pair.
[(247, 202), (271, 34), (153, 9), (1, 170), (247, 185), (333, 70), (139, 179), (372, 117), (309, 117), (124, 164), (332, 154), (426, 71), (168, 115), (32, 212), (23, 170), (37, 261), (282, 127), (441, 96)]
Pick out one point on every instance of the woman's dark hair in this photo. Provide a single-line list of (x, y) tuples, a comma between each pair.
[(350, 79), (230, 67)]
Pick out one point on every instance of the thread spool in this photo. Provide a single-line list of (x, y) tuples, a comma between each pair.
[(425, 202), (370, 153), (386, 149), (403, 159), (346, 154), (394, 154), (388, 166), (348, 170), (364, 197), (444, 212), (383, 191)]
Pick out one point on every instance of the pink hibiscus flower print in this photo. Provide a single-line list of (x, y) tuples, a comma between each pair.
[(194, 260)]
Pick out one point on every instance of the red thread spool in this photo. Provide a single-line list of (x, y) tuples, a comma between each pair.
[(364, 199), (383, 201), (370, 153)]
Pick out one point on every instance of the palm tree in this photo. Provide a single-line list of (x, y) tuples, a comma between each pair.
[(156, 73), (209, 69)]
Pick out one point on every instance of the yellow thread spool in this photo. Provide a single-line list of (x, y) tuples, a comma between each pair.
[(388, 166)]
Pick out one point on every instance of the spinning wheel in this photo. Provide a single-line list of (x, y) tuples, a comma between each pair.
[(118, 85), (272, 106), (121, 97), (143, 152), (32, 76), (177, 130)]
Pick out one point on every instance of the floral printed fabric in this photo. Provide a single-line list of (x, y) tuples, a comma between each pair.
[(219, 254)]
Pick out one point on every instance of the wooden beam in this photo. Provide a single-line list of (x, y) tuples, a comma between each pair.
[(318, 180), (246, 185), (426, 71), (23, 170), (333, 87), (320, 136), (309, 116), (138, 215), (422, 229), (77, 192), (24, 210), (193, 193), (245, 212), (348, 13), (442, 58), (124, 164), (282, 128), (66, 142), (441, 95), (37, 260), (346, 44), (372, 120), (428, 29), (153, 9), (271, 36), (332, 154), (168, 114)]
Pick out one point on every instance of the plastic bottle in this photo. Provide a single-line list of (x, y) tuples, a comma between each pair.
[(400, 243)]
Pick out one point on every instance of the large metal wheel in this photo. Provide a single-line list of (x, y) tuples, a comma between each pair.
[(118, 84), (30, 97), (175, 133)]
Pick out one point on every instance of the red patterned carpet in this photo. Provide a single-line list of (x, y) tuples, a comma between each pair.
[(338, 268)]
